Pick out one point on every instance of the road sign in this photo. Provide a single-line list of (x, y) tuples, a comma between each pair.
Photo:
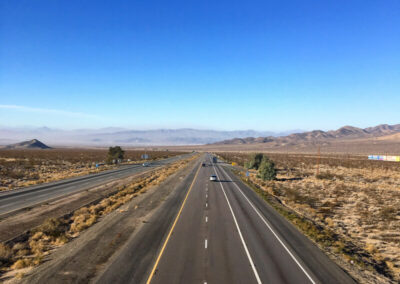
[(145, 156), (247, 174)]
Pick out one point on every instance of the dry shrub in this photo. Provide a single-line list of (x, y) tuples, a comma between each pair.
[(19, 246), (52, 227), (23, 252), (329, 176), (82, 222), (389, 213), (61, 240), (371, 248), (36, 236), (329, 222), (5, 253), (21, 263), (19, 275), (37, 246)]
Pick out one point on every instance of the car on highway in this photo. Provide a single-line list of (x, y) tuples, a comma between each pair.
[(213, 178), (203, 164), (145, 164)]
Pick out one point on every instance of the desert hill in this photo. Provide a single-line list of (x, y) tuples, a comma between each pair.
[(31, 144)]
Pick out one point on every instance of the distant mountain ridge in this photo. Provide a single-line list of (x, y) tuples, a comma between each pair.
[(126, 137), (343, 133), (31, 144)]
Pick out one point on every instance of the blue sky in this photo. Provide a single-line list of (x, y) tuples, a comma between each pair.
[(264, 65)]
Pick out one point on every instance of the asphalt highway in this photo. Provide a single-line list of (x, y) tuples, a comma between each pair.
[(222, 233), (15, 200)]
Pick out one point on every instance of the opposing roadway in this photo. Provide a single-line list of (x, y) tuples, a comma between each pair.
[(15, 200)]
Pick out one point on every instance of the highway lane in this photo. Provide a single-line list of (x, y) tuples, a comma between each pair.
[(16, 200), (225, 234), (280, 252)]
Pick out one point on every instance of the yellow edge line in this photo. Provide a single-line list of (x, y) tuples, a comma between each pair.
[(172, 228)]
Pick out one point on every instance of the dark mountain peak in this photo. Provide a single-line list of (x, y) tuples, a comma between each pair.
[(31, 144)]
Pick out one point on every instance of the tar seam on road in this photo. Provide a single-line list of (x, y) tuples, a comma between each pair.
[(172, 228), (273, 232), (240, 233)]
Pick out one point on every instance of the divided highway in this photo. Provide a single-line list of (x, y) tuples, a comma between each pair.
[(13, 201), (223, 233)]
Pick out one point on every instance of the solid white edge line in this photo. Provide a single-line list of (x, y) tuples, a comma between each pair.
[(240, 233), (273, 232)]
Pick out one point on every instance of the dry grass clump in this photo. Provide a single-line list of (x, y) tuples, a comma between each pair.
[(5, 254), (55, 232), (20, 168), (357, 199)]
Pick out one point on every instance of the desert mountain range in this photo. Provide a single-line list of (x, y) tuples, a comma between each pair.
[(344, 133), (382, 139), (125, 137)]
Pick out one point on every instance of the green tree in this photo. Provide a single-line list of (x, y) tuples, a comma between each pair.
[(255, 161), (266, 170), (114, 153)]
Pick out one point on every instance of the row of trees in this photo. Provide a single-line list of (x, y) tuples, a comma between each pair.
[(264, 166)]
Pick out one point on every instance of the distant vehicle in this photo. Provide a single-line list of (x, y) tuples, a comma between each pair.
[(203, 164), (145, 164), (213, 178), (214, 159)]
